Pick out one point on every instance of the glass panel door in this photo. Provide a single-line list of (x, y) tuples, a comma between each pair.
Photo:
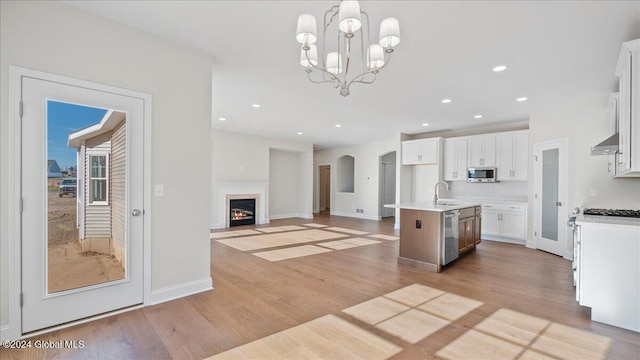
[(85, 217), (550, 173)]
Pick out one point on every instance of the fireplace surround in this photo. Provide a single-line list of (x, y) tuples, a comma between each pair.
[(240, 190)]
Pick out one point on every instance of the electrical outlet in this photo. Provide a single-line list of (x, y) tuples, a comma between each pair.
[(418, 224), (592, 192)]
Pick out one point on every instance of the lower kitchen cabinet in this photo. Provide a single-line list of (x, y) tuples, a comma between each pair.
[(504, 222), (468, 229), (478, 227)]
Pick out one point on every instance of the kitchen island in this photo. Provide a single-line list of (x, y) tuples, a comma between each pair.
[(434, 234)]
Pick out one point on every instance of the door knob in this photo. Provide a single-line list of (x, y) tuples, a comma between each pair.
[(136, 212)]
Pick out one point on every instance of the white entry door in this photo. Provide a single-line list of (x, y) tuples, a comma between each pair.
[(550, 196), (82, 248)]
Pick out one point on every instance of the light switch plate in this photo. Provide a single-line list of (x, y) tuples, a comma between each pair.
[(159, 190), (592, 192)]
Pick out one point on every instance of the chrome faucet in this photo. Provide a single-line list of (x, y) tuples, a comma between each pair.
[(435, 195)]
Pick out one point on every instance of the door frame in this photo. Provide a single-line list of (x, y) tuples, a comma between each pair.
[(563, 193), (13, 329)]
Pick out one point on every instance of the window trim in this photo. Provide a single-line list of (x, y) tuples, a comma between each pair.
[(90, 179)]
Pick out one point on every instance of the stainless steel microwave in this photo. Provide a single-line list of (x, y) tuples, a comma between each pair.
[(481, 174)]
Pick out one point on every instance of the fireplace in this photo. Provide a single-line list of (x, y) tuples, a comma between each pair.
[(242, 212)]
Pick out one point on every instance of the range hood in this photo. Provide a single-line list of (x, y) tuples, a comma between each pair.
[(607, 147)]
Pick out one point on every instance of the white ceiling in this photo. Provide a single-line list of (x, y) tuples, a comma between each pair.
[(554, 50)]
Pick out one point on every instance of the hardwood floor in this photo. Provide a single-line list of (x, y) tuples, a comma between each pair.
[(254, 298)]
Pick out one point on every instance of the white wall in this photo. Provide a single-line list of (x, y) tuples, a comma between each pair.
[(366, 178), (284, 184), (252, 165), (60, 39), (584, 122)]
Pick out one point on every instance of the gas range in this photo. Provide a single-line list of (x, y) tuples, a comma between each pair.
[(613, 212)]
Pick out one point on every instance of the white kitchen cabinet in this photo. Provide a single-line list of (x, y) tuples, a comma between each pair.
[(613, 128), (504, 221), (455, 159), (481, 151), (628, 157), (421, 151), (609, 271), (512, 155)]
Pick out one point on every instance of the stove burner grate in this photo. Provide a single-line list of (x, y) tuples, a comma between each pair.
[(613, 212)]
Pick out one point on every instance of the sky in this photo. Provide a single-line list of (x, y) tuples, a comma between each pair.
[(63, 119)]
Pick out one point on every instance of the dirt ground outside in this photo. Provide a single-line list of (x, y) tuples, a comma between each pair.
[(70, 268)]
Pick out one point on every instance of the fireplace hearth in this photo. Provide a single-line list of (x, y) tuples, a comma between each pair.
[(242, 212)]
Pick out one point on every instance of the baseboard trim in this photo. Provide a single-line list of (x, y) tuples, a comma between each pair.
[(289, 216), (504, 240), (357, 216), (181, 290), (283, 216), (5, 333), (214, 226)]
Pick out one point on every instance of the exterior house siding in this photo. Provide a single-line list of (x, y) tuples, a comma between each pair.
[(117, 189), (97, 217)]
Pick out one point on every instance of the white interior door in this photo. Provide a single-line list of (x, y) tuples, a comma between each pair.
[(108, 218), (550, 196)]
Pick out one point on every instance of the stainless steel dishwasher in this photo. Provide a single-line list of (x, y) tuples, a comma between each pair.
[(450, 236)]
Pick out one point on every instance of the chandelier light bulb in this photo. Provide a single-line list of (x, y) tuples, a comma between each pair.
[(307, 32), (375, 57), (349, 17), (310, 55), (389, 33), (334, 63)]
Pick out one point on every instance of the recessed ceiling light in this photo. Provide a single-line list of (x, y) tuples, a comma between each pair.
[(425, 124), (477, 117), (446, 101), (222, 119), (299, 132), (256, 105), (521, 99), (499, 68), (338, 125)]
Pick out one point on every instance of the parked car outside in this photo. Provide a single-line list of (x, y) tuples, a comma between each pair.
[(68, 186)]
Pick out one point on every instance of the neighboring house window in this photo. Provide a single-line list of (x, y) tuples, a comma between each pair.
[(98, 179)]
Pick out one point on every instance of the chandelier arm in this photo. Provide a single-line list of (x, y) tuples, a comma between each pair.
[(333, 15), (374, 72), (368, 41), (324, 71), (347, 51), (318, 81)]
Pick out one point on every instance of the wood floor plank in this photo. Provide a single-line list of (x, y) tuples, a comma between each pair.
[(254, 299)]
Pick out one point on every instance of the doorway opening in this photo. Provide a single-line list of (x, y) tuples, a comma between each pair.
[(325, 188), (387, 184)]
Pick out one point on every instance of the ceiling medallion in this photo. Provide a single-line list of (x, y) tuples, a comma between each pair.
[(350, 28)]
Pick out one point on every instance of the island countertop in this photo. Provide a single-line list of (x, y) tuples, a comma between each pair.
[(441, 206)]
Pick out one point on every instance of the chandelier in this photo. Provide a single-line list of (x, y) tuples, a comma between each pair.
[(336, 65)]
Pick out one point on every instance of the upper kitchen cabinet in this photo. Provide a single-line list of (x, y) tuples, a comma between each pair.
[(512, 155), (481, 151), (421, 151), (628, 157), (455, 159)]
